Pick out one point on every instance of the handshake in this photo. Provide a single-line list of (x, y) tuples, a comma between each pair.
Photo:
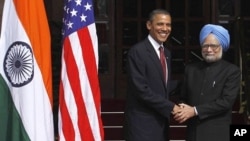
[(183, 112)]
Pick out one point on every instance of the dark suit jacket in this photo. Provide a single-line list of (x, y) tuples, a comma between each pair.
[(148, 107), (212, 88)]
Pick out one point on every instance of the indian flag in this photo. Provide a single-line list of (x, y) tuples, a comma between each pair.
[(25, 73)]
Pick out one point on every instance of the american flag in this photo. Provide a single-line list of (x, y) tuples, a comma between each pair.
[(79, 98)]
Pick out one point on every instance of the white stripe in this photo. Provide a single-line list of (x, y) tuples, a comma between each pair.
[(85, 86), (92, 32)]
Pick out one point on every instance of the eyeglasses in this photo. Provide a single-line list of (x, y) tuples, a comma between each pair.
[(212, 46)]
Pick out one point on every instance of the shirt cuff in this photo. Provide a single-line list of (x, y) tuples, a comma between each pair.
[(195, 110)]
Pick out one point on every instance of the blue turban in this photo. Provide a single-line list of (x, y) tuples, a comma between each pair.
[(219, 32)]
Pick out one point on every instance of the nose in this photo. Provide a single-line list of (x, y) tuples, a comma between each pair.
[(166, 27)]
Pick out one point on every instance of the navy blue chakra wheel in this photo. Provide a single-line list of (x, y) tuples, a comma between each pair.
[(19, 64)]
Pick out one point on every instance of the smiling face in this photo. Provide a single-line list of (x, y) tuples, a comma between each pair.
[(159, 27)]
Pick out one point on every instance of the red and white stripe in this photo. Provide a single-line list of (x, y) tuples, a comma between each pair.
[(79, 103)]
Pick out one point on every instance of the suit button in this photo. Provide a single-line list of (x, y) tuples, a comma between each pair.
[(201, 93)]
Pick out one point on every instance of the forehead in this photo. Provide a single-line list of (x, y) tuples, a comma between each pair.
[(211, 39), (161, 17)]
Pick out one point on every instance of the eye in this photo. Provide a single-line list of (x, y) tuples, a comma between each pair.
[(212, 46)]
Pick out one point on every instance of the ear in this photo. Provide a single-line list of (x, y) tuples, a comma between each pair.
[(148, 24)]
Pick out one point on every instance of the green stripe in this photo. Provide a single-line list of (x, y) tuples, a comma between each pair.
[(11, 126)]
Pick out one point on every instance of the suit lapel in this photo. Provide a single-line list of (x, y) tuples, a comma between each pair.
[(155, 58)]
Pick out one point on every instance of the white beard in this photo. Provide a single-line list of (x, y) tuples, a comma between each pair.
[(212, 58)]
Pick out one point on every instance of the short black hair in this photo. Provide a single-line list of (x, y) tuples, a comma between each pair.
[(157, 11)]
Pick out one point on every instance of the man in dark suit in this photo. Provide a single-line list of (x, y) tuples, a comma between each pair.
[(210, 87), (148, 107)]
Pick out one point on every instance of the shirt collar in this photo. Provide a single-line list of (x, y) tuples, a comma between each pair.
[(154, 43)]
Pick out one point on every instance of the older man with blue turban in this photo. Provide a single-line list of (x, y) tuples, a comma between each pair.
[(220, 33), (209, 89), (219, 40)]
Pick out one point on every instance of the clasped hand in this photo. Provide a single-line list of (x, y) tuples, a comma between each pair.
[(183, 112)]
